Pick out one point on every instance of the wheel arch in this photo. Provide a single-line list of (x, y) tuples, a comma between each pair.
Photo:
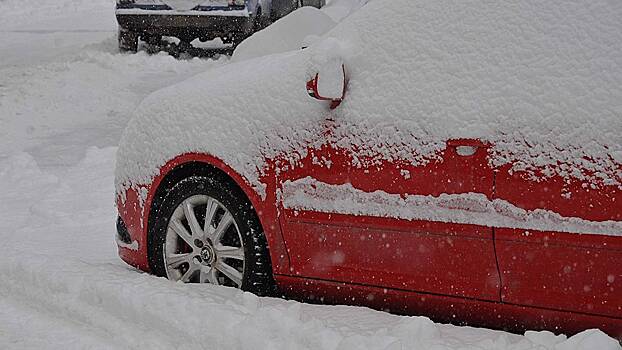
[(194, 164)]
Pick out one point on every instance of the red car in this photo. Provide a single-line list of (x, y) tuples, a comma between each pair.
[(451, 159)]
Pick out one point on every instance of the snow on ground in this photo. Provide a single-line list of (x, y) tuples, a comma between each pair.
[(65, 96), (63, 75)]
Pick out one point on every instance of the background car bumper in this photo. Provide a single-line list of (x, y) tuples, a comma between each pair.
[(206, 22), (170, 24)]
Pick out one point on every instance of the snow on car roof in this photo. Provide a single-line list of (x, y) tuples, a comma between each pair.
[(542, 81)]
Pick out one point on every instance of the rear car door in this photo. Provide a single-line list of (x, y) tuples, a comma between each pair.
[(567, 257)]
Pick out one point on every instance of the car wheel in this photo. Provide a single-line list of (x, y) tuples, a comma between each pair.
[(237, 38), (208, 232), (314, 3), (128, 40)]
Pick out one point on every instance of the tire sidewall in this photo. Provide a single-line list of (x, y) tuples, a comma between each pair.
[(127, 40)]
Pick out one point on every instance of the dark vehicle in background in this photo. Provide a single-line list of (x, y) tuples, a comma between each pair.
[(187, 20)]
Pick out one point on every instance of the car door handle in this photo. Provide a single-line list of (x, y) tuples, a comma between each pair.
[(466, 151), (466, 147)]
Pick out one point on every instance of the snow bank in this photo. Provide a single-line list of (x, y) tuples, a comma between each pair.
[(466, 208), (93, 82), (18, 11), (542, 81)]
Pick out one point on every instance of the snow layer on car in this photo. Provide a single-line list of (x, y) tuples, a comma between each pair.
[(542, 81), (464, 208), (340, 9)]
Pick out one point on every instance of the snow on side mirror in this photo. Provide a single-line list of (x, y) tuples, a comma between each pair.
[(329, 84)]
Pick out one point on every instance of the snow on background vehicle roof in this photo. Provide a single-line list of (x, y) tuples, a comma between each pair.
[(299, 29), (287, 34), (541, 80)]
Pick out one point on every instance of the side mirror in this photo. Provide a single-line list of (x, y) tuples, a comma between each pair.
[(329, 84)]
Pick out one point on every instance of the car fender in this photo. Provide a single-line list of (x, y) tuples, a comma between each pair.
[(264, 204)]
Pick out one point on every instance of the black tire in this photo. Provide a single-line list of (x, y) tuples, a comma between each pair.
[(237, 38), (260, 21), (128, 40), (281, 8), (257, 276), (314, 3)]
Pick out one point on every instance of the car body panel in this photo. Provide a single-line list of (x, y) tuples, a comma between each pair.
[(555, 270), (201, 8), (579, 272), (394, 253), (131, 210)]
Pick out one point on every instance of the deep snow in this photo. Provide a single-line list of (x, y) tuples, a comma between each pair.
[(65, 96)]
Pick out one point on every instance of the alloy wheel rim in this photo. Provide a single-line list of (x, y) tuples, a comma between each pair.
[(204, 244)]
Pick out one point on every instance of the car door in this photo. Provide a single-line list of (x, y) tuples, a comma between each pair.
[(359, 218), (568, 257)]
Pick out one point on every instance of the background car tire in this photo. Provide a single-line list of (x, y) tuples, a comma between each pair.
[(314, 3), (257, 275), (261, 21), (128, 40)]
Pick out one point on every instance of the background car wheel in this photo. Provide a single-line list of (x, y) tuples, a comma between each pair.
[(128, 40), (261, 21), (314, 3), (208, 232)]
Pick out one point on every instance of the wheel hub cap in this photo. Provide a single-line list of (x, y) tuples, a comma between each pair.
[(203, 243), (207, 255)]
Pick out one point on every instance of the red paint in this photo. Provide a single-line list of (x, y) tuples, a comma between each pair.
[(565, 271), (501, 277), (132, 214), (312, 90), (394, 253), (388, 252)]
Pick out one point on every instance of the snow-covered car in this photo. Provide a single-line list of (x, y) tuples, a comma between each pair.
[(457, 159), (230, 20)]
